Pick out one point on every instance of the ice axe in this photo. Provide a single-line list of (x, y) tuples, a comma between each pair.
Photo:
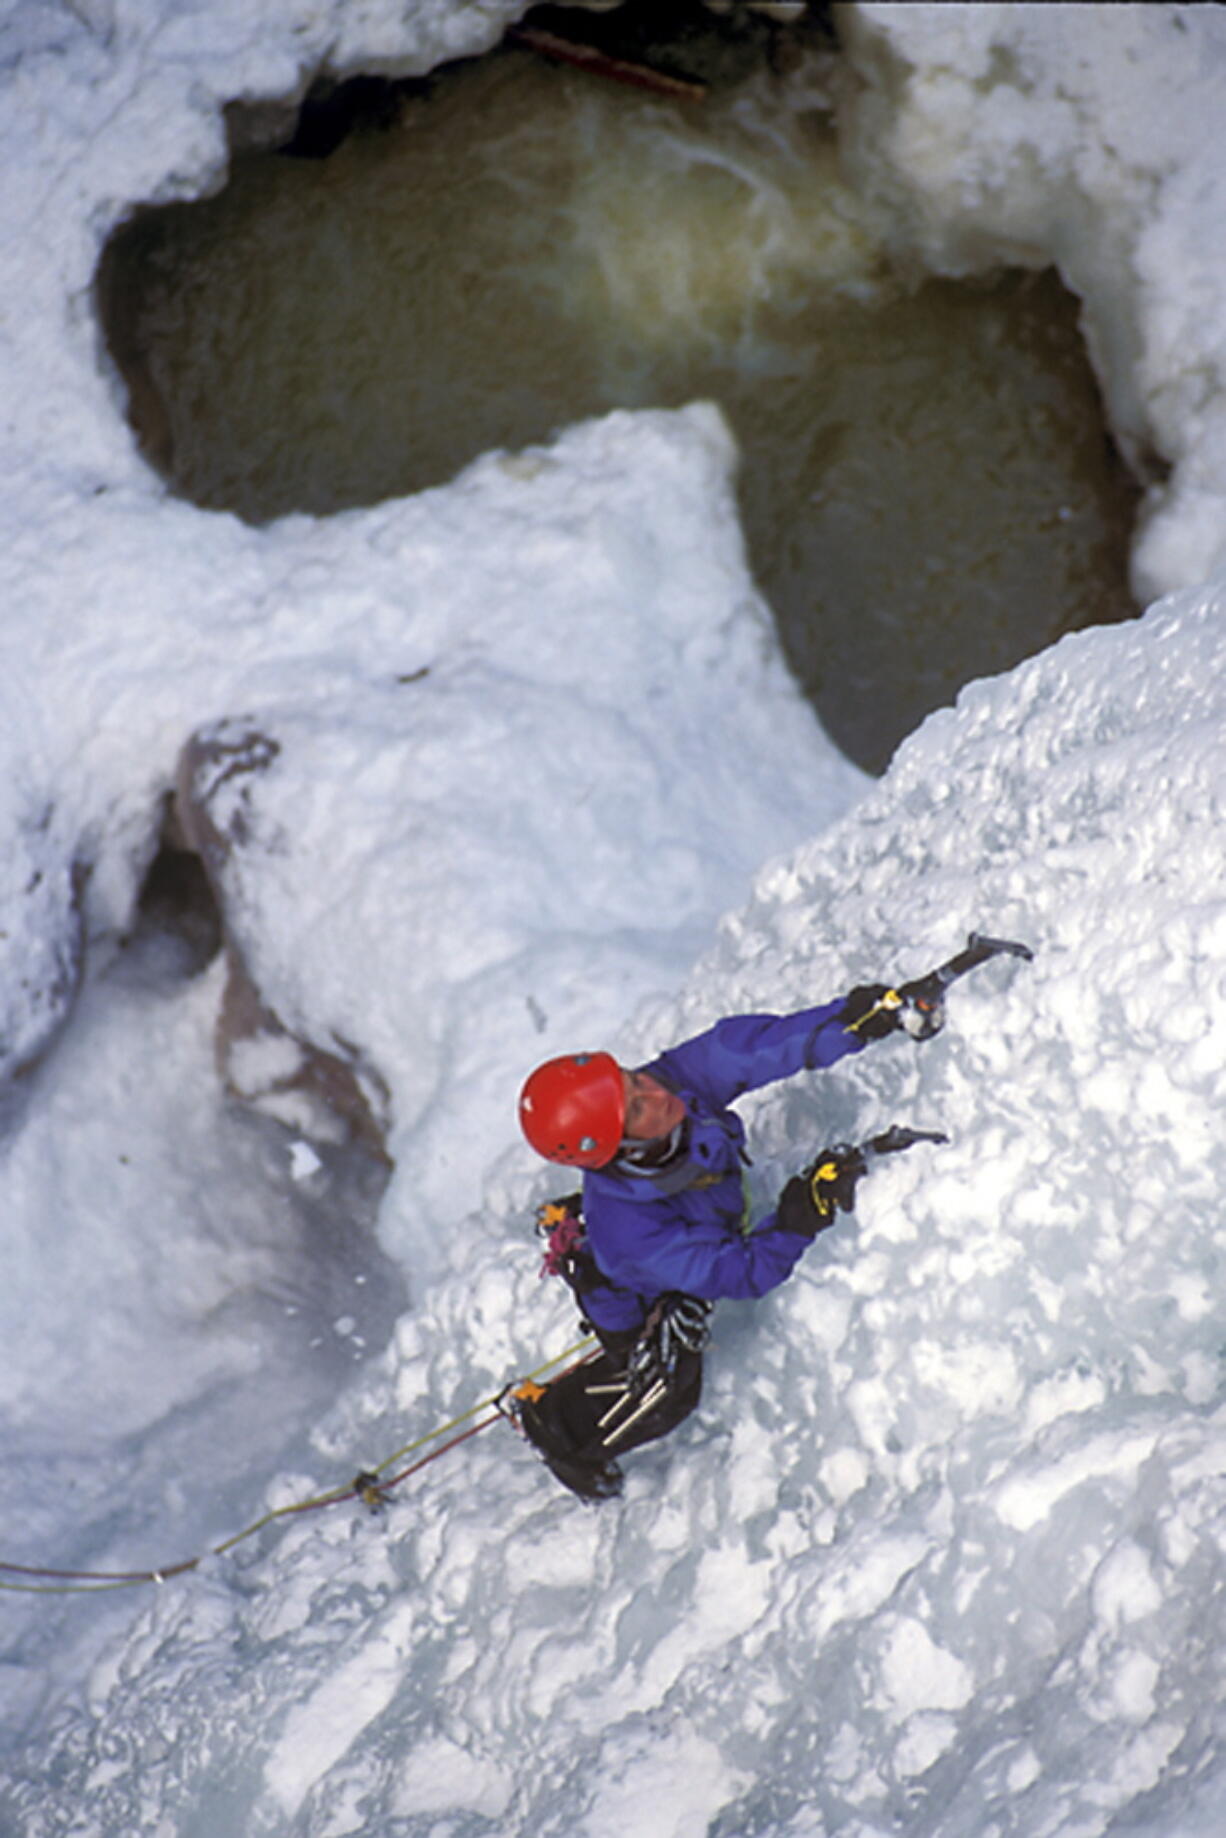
[(898, 1137), (831, 1181), (920, 1004)]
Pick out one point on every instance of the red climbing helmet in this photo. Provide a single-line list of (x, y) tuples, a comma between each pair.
[(572, 1109)]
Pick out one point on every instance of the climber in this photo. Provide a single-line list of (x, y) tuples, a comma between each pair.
[(660, 1230)]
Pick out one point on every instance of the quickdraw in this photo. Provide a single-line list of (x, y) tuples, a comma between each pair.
[(560, 1224), (370, 1490)]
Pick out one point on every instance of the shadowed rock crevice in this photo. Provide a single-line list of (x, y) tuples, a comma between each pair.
[(327, 1092)]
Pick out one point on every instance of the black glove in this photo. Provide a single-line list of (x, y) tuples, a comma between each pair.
[(872, 1011), (807, 1204), (922, 1013)]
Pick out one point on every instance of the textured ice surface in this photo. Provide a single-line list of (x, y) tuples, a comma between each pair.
[(942, 1552), (943, 1545)]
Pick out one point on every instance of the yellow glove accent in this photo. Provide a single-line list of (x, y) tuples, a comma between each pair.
[(889, 1002), (823, 1177)]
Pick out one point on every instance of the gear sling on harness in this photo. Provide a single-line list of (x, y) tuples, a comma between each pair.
[(636, 1389)]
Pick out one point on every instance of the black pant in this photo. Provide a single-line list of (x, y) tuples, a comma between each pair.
[(588, 1417)]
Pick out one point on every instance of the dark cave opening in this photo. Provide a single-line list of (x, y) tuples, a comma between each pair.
[(421, 271)]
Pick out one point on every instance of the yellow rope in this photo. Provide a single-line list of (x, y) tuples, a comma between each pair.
[(85, 1583), (410, 1448)]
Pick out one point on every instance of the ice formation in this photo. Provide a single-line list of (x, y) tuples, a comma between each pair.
[(943, 1551)]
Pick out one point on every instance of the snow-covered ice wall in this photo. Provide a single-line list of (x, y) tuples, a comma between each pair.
[(944, 1551)]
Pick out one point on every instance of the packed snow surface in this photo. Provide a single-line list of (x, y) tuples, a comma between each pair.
[(942, 1552)]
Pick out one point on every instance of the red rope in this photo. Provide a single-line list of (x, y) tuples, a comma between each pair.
[(394, 1480), (102, 1578), (367, 1488)]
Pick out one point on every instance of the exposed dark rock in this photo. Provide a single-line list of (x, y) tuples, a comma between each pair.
[(328, 1092), (42, 939)]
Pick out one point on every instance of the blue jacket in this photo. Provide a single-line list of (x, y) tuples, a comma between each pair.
[(684, 1228)]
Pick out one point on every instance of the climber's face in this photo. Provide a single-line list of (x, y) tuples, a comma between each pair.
[(652, 1110)]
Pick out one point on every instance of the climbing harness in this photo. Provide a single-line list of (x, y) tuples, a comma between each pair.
[(607, 1403)]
